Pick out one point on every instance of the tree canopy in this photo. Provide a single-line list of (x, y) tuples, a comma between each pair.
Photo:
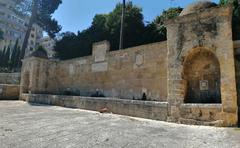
[(9, 58), (40, 13), (236, 16), (107, 27), (166, 14), (1, 35)]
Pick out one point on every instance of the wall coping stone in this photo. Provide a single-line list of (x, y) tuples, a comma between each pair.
[(205, 13), (116, 52), (191, 105), (10, 78), (125, 101), (14, 73), (10, 85)]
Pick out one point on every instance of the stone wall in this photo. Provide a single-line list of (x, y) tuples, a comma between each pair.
[(10, 78), (209, 31), (201, 114), (9, 92), (144, 109), (125, 74), (198, 57), (9, 86)]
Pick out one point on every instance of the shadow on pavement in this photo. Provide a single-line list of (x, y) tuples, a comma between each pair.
[(36, 104)]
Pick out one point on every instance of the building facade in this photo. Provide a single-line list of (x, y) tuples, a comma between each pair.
[(48, 44), (14, 27), (34, 39)]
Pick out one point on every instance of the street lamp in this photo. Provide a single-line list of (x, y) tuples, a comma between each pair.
[(122, 26)]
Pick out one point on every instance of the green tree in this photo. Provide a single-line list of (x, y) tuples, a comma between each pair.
[(166, 14), (15, 56), (99, 30), (133, 26), (236, 16), (41, 13), (6, 57), (1, 35), (104, 27), (107, 27), (66, 46), (2, 58)]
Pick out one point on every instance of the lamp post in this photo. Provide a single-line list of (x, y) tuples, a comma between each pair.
[(122, 26)]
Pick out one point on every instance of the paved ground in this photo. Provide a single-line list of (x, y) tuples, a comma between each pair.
[(35, 126)]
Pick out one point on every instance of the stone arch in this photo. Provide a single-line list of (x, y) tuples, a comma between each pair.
[(201, 71)]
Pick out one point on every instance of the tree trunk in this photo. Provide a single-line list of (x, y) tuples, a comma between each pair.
[(31, 22)]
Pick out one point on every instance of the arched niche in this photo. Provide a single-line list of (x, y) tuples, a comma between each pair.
[(202, 75)]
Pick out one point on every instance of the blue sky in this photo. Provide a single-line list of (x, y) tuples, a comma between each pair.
[(75, 15)]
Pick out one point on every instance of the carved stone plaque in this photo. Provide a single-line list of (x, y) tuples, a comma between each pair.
[(139, 59), (99, 67), (71, 69), (100, 50), (81, 62), (203, 84), (100, 54)]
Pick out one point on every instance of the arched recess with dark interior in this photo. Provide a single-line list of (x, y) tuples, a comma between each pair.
[(202, 74)]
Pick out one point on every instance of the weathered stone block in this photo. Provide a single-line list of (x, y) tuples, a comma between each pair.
[(144, 109), (9, 92)]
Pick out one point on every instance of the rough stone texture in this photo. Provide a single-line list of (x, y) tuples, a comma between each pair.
[(100, 50), (197, 6), (122, 74), (10, 78), (37, 126), (201, 114), (210, 31), (144, 109), (199, 49), (9, 92)]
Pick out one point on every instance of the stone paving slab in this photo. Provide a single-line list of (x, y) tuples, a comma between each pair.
[(37, 126)]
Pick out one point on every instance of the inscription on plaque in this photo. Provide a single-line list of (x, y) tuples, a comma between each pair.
[(203, 85)]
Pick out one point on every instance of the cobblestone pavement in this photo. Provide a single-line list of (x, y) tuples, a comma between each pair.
[(36, 126)]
